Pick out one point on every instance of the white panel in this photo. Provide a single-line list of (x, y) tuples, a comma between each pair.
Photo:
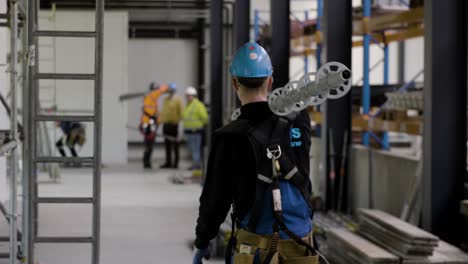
[(74, 55), (162, 61), (414, 59)]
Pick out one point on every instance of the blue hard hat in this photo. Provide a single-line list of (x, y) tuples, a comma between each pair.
[(172, 86), (251, 60)]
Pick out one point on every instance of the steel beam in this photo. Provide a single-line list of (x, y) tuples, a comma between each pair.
[(242, 22), (338, 44), (445, 102), (401, 61), (201, 55), (216, 65), (241, 26), (280, 41)]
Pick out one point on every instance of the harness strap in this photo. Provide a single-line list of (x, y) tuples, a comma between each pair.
[(291, 173), (264, 179)]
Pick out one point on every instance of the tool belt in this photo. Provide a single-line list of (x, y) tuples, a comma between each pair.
[(254, 247)]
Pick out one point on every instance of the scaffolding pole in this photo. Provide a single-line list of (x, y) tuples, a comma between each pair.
[(366, 93), (13, 247)]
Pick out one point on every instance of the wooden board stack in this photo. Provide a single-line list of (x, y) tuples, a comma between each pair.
[(345, 247), (399, 237)]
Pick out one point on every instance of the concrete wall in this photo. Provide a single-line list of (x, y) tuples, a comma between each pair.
[(391, 177), (72, 55), (162, 61)]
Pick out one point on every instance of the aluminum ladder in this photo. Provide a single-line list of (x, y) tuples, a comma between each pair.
[(34, 116)]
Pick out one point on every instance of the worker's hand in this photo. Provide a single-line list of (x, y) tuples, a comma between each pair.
[(200, 254)]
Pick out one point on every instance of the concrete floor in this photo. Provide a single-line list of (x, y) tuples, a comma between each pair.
[(145, 218)]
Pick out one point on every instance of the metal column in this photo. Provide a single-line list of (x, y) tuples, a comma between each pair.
[(401, 61), (242, 22), (306, 57), (319, 33), (338, 44), (13, 220), (201, 53), (241, 27), (445, 104), (33, 116), (366, 93), (216, 65), (280, 41), (386, 72), (256, 25)]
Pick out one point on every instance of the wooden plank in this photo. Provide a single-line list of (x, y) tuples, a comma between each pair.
[(361, 247), (385, 22), (396, 225), (396, 36)]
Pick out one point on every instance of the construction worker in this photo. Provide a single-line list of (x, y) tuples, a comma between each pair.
[(171, 114), (149, 119), (195, 119), (73, 134), (255, 168)]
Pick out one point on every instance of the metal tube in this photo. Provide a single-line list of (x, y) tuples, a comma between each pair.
[(26, 147), (319, 31), (98, 91), (385, 138), (29, 180), (256, 25), (366, 71), (386, 64), (306, 57), (14, 131)]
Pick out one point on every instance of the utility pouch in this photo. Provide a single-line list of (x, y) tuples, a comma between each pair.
[(243, 258), (302, 260)]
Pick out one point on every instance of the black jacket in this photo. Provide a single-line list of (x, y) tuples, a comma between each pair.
[(231, 172)]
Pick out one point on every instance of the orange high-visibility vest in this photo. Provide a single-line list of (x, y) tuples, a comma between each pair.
[(150, 103)]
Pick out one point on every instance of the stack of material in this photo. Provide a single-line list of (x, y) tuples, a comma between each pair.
[(443, 254), (346, 247), (399, 237)]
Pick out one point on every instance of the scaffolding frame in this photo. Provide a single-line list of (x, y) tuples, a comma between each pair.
[(33, 116), (10, 147)]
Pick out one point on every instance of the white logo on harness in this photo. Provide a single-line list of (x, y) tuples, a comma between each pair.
[(253, 56)]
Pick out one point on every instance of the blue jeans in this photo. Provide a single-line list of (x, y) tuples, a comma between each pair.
[(194, 142)]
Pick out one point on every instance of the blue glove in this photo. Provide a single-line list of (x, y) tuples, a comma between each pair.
[(200, 254)]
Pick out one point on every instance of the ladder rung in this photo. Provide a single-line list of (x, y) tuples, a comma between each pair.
[(71, 118), (69, 34), (65, 200), (64, 76), (4, 255), (64, 240), (64, 159)]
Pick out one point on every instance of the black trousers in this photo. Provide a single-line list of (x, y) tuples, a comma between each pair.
[(70, 145), (149, 144), (171, 143)]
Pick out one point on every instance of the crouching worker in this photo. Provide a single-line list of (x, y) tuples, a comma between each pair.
[(257, 166)]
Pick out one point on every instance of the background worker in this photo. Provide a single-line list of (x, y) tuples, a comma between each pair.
[(73, 134), (171, 114), (149, 119), (195, 118), (239, 173)]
